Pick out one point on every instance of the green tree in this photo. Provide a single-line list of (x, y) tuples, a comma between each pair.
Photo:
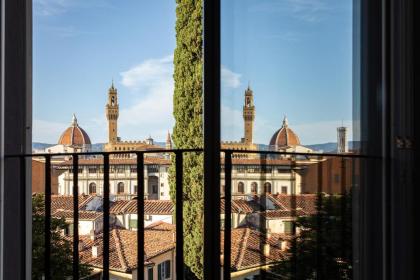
[(61, 248), (188, 130), (323, 248)]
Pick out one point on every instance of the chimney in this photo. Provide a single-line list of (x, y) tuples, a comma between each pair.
[(92, 235), (284, 245), (95, 251), (266, 249)]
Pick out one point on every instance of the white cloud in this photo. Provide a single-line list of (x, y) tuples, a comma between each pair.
[(47, 131), (305, 10), (51, 7), (151, 84), (230, 79), (57, 7)]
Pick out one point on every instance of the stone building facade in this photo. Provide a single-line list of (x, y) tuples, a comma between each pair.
[(114, 141)]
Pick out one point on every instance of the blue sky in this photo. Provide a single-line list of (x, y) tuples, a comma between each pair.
[(296, 55)]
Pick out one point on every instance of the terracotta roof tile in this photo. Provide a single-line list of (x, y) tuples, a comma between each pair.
[(247, 249), (83, 215), (305, 202), (275, 214), (123, 247), (65, 202), (151, 207), (240, 206)]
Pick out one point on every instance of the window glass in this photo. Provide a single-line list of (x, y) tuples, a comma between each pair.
[(150, 273)]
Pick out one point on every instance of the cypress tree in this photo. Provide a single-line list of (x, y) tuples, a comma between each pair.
[(188, 130)]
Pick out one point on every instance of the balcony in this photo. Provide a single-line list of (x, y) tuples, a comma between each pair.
[(267, 216)]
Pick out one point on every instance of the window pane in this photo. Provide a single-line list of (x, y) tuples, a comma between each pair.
[(287, 91)]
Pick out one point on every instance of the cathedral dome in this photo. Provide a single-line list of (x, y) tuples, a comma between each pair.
[(74, 135), (284, 137)]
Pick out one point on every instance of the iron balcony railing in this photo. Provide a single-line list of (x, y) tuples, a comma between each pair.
[(140, 155)]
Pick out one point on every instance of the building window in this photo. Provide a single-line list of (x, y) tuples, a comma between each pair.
[(92, 188), (135, 189), (283, 190), (154, 189), (133, 169), (164, 270), (92, 170), (254, 187), (241, 187), (288, 227), (150, 273), (120, 187), (120, 169), (267, 187), (133, 223)]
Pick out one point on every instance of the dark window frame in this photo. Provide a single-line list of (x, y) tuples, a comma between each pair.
[(383, 39)]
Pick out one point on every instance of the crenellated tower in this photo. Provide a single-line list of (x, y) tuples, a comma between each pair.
[(112, 112), (249, 116)]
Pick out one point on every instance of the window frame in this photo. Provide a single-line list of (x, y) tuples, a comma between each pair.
[(377, 24)]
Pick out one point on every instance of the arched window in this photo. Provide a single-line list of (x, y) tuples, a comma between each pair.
[(254, 187), (92, 188), (241, 187), (120, 187), (267, 187)]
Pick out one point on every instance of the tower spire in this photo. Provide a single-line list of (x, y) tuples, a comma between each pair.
[(74, 120), (285, 121), (248, 115)]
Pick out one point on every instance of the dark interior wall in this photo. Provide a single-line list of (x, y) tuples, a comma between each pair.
[(16, 117)]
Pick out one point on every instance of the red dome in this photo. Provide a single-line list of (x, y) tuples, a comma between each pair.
[(74, 135), (284, 137)]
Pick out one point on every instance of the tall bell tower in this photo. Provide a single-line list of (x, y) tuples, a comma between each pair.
[(249, 116), (112, 111)]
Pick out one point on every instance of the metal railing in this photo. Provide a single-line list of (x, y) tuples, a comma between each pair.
[(140, 155)]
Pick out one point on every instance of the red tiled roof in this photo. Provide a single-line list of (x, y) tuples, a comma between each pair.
[(305, 202), (74, 135), (247, 249), (123, 247), (83, 215), (151, 207), (65, 202), (275, 214), (240, 206), (284, 137)]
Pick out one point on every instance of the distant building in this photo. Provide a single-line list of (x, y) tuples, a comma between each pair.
[(154, 211), (159, 252), (114, 141), (286, 140), (123, 177), (73, 140), (247, 142), (342, 144)]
